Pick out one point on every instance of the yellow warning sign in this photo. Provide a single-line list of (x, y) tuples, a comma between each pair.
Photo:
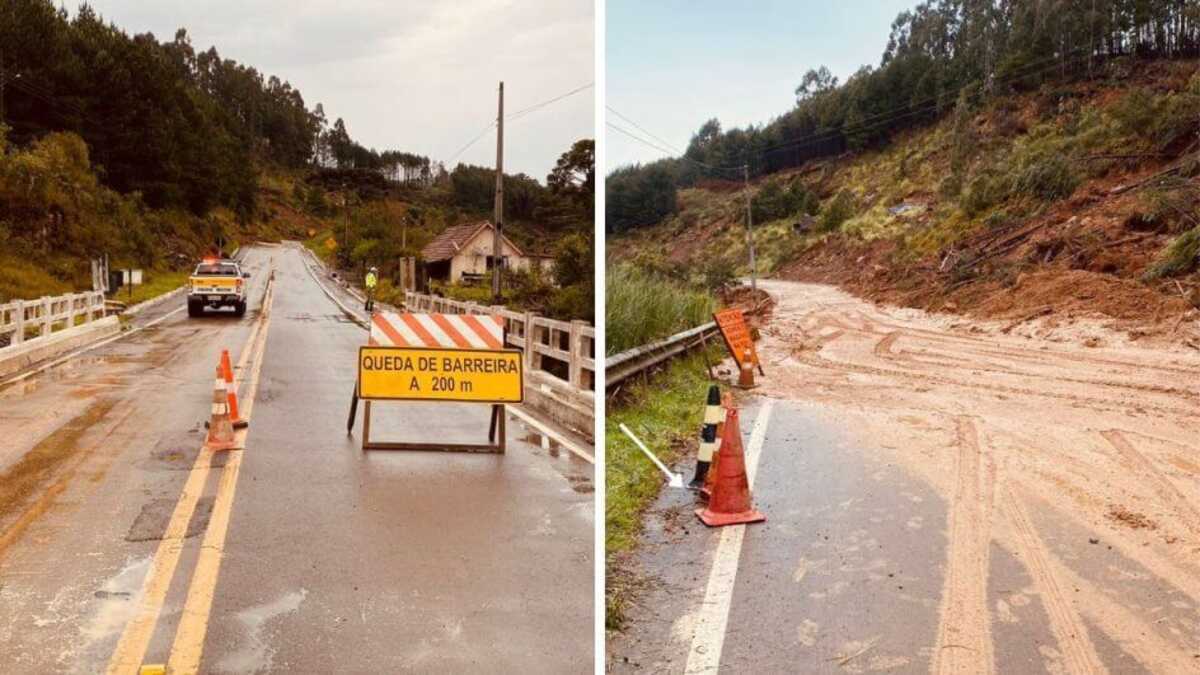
[(426, 374)]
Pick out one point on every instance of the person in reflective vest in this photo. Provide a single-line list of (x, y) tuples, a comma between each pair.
[(372, 279)]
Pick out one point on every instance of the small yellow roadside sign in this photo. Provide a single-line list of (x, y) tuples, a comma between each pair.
[(428, 374)]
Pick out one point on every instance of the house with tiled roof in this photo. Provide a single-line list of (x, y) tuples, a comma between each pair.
[(463, 253)]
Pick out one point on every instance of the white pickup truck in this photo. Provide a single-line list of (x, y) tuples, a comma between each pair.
[(216, 284)]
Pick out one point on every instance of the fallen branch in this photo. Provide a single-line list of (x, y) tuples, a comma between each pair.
[(843, 660), (1028, 317)]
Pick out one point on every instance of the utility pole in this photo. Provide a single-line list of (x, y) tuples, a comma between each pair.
[(750, 230), (497, 234)]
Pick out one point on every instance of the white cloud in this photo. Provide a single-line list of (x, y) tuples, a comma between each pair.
[(414, 76)]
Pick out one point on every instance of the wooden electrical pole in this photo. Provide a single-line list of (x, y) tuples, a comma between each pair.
[(750, 230), (498, 230)]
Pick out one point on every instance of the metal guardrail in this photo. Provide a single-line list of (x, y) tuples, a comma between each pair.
[(619, 367), (572, 343), (46, 315)]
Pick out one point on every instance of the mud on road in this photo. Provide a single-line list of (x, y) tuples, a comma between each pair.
[(1051, 450)]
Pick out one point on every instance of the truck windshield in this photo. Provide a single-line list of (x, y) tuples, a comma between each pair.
[(216, 270)]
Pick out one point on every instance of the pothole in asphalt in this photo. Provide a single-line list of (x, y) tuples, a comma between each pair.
[(582, 484), (151, 523)]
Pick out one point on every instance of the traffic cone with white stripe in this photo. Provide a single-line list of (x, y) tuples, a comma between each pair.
[(220, 429), (227, 371), (708, 437), (730, 503)]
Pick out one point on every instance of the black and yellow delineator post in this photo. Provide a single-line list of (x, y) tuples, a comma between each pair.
[(708, 436)]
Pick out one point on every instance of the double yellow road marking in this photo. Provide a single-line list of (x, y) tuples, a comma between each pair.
[(189, 638)]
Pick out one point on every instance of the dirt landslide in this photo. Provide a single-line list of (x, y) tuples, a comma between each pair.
[(1046, 442), (1084, 256)]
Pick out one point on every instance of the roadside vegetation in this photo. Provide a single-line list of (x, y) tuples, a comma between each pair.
[(646, 300), (643, 306), (665, 410), (1102, 173), (155, 283), (363, 222), (988, 144)]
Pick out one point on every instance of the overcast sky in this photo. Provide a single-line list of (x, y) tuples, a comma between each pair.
[(673, 64), (414, 76)]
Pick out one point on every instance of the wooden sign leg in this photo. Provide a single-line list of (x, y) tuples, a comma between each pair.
[(492, 427), (366, 439), (503, 444), (353, 410)]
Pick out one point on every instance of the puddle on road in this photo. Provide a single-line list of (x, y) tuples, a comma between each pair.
[(577, 472), (255, 655)]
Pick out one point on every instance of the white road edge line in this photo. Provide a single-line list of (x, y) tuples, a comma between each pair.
[(708, 630), (345, 310), (63, 359), (547, 431)]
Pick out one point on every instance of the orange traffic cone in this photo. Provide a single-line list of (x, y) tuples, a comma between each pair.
[(730, 502), (227, 372), (220, 429), (746, 375)]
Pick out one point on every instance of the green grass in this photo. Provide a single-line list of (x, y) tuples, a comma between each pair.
[(22, 280), (642, 307), (318, 244), (1179, 257), (155, 283), (665, 411)]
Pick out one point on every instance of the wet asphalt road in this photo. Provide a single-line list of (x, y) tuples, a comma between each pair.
[(844, 576), (334, 559), (915, 525)]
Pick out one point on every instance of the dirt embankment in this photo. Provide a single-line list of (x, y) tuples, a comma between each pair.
[(1085, 256)]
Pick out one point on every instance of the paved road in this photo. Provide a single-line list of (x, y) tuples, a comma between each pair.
[(942, 496), (122, 543)]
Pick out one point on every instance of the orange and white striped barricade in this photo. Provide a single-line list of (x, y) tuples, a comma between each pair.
[(438, 357)]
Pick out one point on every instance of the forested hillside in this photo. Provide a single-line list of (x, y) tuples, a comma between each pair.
[(155, 151), (1009, 157)]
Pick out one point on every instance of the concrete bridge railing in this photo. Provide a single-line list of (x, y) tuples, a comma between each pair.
[(24, 321), (560, 357)]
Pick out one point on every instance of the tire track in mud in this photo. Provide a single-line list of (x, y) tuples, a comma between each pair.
[(1139, 639), (986, 346), (885, 349), (964, 639), (1101, 404), (1065, 623), (1186, 513)]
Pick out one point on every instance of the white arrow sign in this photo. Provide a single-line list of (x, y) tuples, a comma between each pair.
[(674, 480)]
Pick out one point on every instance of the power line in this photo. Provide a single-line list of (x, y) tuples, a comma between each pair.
[(643, 129), (473, 141), (665, 150), (927, 105), (520, 113), (538, 106)]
